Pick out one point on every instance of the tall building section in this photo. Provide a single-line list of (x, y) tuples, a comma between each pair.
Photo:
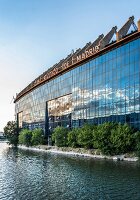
[(95, 84)]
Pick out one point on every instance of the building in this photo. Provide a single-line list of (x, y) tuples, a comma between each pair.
[(95, 84), (2, 135)]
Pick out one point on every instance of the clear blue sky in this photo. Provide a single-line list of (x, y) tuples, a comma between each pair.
[(35, 34)]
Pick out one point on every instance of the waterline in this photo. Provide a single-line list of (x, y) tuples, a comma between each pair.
[(56, 150)]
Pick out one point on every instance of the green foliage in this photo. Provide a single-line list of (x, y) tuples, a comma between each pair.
[(122, 139), (85, 136), (29, 138), (72, 137), (114, 138), (11, 133), (101, 137), (37, 137), (110, 138), (25, 137), (59, 136), (137, 142)]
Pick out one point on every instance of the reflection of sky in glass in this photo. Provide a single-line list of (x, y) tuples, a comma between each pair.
[(106, 86), (107, 101)]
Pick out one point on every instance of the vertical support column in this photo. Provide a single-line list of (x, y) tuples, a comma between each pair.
[(47, 133), (117, 36), (17, 121), (138, 25)]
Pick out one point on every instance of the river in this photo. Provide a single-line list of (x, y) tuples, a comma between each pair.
[(28, 175)]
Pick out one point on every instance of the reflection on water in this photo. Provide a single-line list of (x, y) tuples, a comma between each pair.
[(26, 175)]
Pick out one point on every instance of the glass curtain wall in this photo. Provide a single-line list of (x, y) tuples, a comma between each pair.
[(106, 88)]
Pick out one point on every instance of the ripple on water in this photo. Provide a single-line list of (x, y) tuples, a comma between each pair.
[(26, 175)]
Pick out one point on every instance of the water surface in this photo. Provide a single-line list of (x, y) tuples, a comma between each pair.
[(28, 175)]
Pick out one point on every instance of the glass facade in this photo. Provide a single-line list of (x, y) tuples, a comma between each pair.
[(59, 111), (106, 88)]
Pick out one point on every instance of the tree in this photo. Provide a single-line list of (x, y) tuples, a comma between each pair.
[(59, 136), (72, 137), (37, 137), (122, 139), (137, 142), (101, 137), (25, 137), (11, 132), (85, 136)]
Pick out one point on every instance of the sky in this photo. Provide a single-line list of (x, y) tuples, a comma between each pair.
[(36, 34)]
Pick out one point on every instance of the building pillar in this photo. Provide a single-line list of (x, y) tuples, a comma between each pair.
[(138, 25), (117, 36)]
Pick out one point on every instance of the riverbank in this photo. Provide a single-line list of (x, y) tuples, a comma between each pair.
[(80, 152)]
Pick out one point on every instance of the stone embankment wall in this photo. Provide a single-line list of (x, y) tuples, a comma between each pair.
[(93, 153)]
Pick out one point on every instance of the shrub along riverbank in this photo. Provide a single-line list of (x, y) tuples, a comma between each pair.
[(109, 138), (31, 138)]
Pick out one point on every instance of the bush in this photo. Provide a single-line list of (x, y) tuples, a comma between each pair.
[(37, 137), (137, 142), (122, 139), (85, 136), (113, 138), (110, 138), (72, 137), (25, 137), (101, 137), (59, 136)]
